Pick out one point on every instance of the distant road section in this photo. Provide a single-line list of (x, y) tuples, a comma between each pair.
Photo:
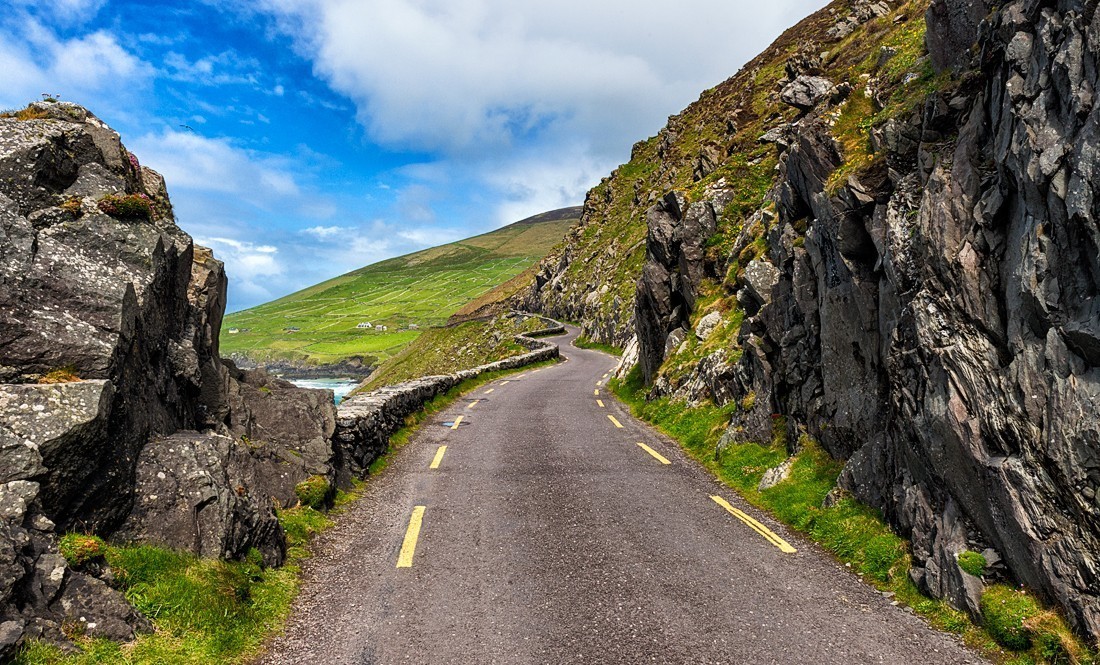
[(530, 523)]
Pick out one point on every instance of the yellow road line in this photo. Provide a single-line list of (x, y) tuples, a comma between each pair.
[(596, 392), (489, 390), (764, 531), (438, 457), (660, 458), (408, 548), (458, 421), (504, 383), (600, 402), (599, 383), (605, 375), (616, 422), (522, 375), (472, 404)]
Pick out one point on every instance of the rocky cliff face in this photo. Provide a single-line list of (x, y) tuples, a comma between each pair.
[(117, 416), (915, 285)]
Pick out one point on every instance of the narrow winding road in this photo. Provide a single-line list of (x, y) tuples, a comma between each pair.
[(555, 528)]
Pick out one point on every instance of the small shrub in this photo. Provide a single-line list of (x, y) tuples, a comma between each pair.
[(29, 113), (78, 548), (66, 374), (127, 206), (972, 563), (314, 492), (1004, 613), (73, 205)]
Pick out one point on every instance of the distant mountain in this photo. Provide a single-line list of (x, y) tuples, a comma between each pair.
[(373, 312)]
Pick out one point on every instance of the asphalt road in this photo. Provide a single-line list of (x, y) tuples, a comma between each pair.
[(548, 535)]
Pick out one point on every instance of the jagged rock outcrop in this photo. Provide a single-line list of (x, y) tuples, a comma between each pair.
[(932, 318), (673, 268), (117, 415)]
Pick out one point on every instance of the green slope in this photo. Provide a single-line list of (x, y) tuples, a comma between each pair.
[(421, 289)]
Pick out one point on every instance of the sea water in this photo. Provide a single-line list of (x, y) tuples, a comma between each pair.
[(339, 387)]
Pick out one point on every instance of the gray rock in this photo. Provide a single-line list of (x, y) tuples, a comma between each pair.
[(759, 279), (776, 475), (191, 494), (806, 92), (707, 324)]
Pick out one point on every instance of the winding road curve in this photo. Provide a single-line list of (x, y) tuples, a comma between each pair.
[(547, 534)]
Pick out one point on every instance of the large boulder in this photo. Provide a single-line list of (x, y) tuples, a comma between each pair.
[(287, 429), (192, 494)]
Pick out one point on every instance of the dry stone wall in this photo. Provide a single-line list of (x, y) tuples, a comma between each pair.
[(365, 423)]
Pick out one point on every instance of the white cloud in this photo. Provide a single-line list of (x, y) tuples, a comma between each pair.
[(94, 66), (326, 232), (64, 11), (227, 67), (190, 161), (459, 75), (251, 267)]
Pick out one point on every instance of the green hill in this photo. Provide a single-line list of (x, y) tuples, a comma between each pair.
[(319, 325)]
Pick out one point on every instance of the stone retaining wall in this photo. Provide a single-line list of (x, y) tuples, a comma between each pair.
[(365, 423)]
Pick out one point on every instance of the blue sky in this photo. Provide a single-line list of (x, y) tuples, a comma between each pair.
[(305, 138)]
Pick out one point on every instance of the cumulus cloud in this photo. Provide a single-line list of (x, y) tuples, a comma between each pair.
[(457, 75), (94, 65), (250, 265), (191, 161)]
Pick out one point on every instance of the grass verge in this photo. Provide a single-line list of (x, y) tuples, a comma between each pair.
[(1016, 629), (584, 343)]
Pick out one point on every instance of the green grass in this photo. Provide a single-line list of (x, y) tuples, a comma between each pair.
[(585, 343), (422, 289), (204, 610), (448, 350), (854, 533)]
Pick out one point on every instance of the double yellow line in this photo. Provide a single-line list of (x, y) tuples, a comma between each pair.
[(764, 531)]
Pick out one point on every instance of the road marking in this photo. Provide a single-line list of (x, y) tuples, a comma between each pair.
[(660, 458), (489, 390), (408, 548), (616, 422), (599, 383), (605, 376), (596, 392), (438, 457), (458, 421), (600, 402), (522, 375), (768, 534), (472, 404), (504, 383)]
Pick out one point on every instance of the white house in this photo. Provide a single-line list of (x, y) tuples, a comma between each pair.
[(413, 326), (234, 331), (366, 325)]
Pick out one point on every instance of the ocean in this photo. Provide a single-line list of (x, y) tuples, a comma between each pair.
[(339, 387)]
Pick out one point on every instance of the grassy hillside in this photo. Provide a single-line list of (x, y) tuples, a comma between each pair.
[(421, 289), (453, 348)]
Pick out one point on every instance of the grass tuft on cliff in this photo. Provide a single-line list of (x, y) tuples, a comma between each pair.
[(319, 325)]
